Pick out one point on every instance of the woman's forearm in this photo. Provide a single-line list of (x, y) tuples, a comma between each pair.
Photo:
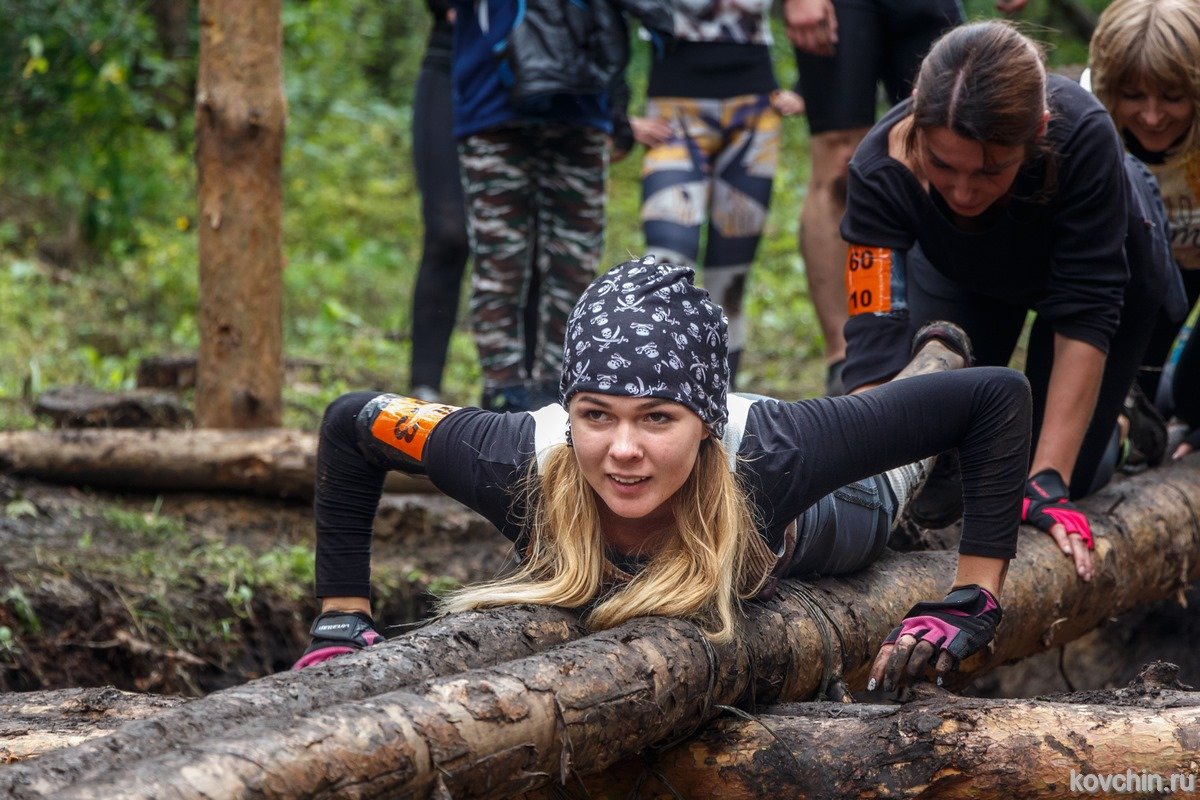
[(1070, 401), (345, 604)]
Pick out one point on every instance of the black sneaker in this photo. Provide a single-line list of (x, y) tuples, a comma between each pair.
[(949, 334)]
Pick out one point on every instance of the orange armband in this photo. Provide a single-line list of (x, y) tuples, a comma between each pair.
[(869, 279), (405, 423)]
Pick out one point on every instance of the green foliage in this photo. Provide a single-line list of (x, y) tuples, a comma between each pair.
[(149, 526), (352, 222), (15, 599), (82, 86), (166, 557), (288, 572), (9, 649), (22, 507), (1048, 22)]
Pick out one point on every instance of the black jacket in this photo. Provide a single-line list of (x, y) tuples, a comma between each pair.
[(579, 47)]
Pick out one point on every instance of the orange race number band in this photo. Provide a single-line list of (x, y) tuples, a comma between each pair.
[(869, 279), (405, 423)]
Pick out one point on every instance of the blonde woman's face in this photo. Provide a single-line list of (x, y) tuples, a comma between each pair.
[(1156, 117), (635, 453)]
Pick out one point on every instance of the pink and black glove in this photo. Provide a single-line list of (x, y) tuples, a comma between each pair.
[(961, 624), (336, 633), (1047, 503)]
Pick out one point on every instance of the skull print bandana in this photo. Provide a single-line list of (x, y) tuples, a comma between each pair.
[(643, 329)]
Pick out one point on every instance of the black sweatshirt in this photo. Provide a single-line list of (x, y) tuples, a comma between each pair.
[(1063, 257)]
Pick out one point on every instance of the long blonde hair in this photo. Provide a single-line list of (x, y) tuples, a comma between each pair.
[(699, 573), (1154, 42)]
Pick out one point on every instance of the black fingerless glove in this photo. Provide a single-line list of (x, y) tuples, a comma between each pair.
[(336, 633), (961, 624), (1047, 503)]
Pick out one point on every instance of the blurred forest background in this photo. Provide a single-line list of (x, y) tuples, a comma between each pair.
[(98, 252)]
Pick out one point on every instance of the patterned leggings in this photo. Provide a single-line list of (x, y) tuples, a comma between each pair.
[(535, 200), (717, 166)]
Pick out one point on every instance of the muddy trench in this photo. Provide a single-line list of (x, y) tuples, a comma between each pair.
[(185, 594)]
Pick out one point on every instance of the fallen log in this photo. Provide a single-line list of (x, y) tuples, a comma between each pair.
[(935, 746), (443, 647), (580, 707), (32, 723), (275, 462)]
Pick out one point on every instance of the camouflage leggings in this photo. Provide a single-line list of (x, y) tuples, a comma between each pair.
[(535, 200)]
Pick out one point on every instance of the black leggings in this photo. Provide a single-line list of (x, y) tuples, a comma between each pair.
[(444, 248), (878, 40), (1183, 394)]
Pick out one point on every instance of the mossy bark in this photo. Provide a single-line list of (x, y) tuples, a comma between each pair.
[(938, 746)]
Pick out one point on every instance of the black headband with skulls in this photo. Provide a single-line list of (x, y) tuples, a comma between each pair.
[(644, 329)]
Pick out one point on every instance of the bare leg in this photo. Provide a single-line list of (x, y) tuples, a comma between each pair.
[(821, 245)]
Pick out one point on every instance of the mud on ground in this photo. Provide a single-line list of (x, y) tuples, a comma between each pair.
[(189, 593)]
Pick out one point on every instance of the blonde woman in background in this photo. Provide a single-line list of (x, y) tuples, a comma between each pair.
[(1145, 69)]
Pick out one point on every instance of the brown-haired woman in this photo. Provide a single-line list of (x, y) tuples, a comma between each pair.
[(995, 191)]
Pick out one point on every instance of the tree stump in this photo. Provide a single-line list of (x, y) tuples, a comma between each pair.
[(83, 407)]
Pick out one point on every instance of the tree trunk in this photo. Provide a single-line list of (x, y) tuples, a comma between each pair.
[(581, 707), (276, 463), (240, 113), (938, 746)]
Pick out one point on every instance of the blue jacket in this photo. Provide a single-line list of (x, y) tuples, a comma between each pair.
[(544, 60)]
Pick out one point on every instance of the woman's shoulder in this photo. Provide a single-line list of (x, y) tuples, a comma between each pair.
[(1076, 114)]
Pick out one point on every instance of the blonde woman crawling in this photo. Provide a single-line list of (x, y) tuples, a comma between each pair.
[(649, 490)]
